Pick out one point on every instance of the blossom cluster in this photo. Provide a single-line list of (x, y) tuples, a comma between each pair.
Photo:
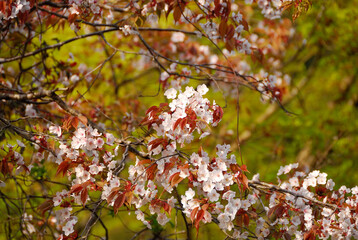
[(271, 9), (272, 87), (13, 159), (177, 121), (12, 10), (83, 160), (209, 179), (296, 210)]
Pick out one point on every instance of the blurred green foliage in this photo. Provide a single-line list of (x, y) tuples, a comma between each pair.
[(323, 133)]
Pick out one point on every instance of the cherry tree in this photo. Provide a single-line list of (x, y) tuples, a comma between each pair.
[(107, 108)]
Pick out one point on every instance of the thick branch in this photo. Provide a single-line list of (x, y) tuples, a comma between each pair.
[(270, 187), (28, 96), (58, 45)]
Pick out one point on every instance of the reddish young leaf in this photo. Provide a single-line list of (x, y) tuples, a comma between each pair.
[(199, 217), (191, 113), (279, 211), (129, 196), (310, 235), (45, 206), (230, 32), (5, 167), (205, 206), (119, 202), (271, 211), (83, 120), (177, 122), (145, 121), (218, 114), (239, 220), (175, 179), (84, 195), (166, 207), (152, 110), (193, 213), (246, 219), (177, 13), (244, 181), (145, 161), (170, 8), (235, 168), (163, 106), (244, 168), (74, 122), (286, 5), (257, 55), (76, 188), (111, 196), (223, 28), (128, 186), (168, 166), (2, 6), (217, 9), (151, 171), (63, 167), (201, 150), (192, 126), (183, 123), (156, 142), (245, 24), (71, 121), (72, 18)]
